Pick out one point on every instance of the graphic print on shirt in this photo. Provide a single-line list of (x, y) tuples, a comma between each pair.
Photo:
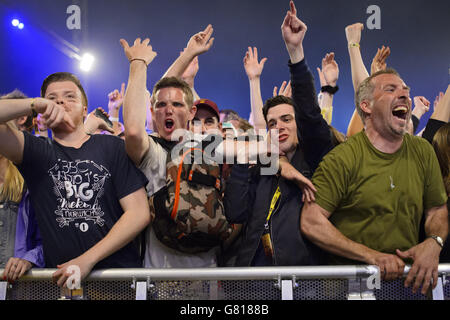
[(78, 186)]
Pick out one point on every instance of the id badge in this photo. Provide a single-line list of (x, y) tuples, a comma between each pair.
[(267, 244)]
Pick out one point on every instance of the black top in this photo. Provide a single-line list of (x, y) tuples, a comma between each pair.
[(248, 195), (76, 193)]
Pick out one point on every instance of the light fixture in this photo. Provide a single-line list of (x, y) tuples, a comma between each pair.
[(86, 62)]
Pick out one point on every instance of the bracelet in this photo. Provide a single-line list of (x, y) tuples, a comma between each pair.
[(33, 110), (353, 44), (438, 239), (113, 119), (329, 89), (137, 59)]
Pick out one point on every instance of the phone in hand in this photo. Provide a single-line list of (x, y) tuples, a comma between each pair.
[(99, 113)]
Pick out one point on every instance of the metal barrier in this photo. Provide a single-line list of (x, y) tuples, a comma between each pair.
[(252, 283)]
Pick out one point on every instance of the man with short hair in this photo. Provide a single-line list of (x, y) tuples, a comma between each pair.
[(373, 189), (172, 108), (89, 198), (207, 117)]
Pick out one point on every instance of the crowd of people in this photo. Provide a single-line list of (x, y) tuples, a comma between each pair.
[(86, 190)]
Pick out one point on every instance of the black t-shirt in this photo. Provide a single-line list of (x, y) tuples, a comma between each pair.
[(76, 193)]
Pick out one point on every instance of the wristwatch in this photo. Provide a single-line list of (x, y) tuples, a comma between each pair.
[(438, 240)]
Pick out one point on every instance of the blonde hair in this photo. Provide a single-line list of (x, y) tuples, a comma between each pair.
[(13, 183)]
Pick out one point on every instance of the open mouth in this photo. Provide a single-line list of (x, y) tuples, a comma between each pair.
[(169, 124), (400, 112), (283, 137)]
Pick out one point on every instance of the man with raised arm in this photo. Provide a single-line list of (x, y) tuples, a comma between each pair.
[(269, 205), (172, 108), (373, 189), (89, 198)]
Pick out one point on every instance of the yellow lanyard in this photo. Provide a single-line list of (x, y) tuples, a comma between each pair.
[(275, 198)]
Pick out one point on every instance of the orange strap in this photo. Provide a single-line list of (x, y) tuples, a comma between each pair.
[(177, 185)]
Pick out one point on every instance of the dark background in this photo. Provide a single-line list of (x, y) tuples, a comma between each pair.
[(417, 32)]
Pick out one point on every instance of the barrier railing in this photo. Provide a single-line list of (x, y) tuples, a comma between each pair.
[(253, 283)]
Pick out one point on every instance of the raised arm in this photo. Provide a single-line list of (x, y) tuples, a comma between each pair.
[(442, 107), (313, 131), (421, 106), (199, 43), (328, 76), (358, 70), (293, 31), (440, 116), (115, 101), (189, 76), (140, 56), (254, 69)]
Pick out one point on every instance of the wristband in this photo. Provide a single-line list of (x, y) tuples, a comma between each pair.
[(329, 89), (353, 44), (112, 119), (33, 110), (137, 59)]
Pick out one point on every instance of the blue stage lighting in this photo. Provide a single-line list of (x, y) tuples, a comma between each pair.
[(20, 26), (15, 22)]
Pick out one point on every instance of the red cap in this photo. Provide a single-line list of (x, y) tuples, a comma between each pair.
[(210, 104)]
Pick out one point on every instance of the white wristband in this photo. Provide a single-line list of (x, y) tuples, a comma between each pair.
[(112, 119)]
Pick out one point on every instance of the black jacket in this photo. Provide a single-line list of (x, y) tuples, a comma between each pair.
[(248, 194)]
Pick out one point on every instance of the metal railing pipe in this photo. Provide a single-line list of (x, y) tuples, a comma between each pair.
[(231, 273)]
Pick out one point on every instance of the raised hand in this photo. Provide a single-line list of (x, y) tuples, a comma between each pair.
[(93, 123), (252, 67), (353, 33), (139, 51), (421, 106), (379, 61), (322, 80), (115, 99), (442, 106), (200, 42), (438, 99), (330, 69), (293, 31), (285, 90)]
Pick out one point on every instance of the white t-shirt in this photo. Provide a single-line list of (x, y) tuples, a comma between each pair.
[(158, 255)]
